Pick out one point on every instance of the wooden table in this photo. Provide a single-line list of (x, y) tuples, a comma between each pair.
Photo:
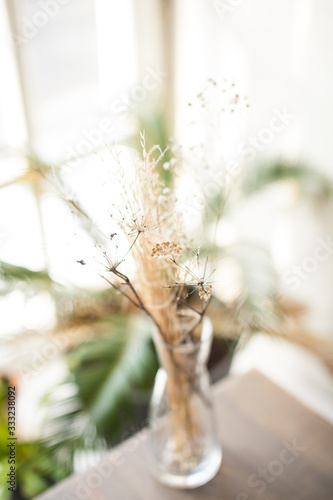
[(274, 448)]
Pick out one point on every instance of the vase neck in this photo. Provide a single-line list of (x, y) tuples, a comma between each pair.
[(190, 353)]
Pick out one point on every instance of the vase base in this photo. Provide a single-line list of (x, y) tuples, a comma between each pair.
[(192, 479)]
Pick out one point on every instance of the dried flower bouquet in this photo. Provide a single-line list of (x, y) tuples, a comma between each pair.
[(163, 282), (163, 285)]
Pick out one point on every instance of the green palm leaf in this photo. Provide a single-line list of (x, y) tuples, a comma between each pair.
[(107, 392), (12, 275)]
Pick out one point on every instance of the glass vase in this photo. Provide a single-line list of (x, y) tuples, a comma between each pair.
[(183, 448)]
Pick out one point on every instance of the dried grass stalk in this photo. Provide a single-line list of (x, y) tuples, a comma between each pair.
[(156, 243)]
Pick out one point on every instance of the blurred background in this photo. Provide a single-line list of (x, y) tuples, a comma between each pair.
[(242, 94)]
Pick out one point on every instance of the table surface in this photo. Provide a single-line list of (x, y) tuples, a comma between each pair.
[(274, 448)]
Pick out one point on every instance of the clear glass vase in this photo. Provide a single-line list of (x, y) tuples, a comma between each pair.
[(183, 448)]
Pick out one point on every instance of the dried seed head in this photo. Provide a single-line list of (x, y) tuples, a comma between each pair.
[(167, 250), (205, 292)]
